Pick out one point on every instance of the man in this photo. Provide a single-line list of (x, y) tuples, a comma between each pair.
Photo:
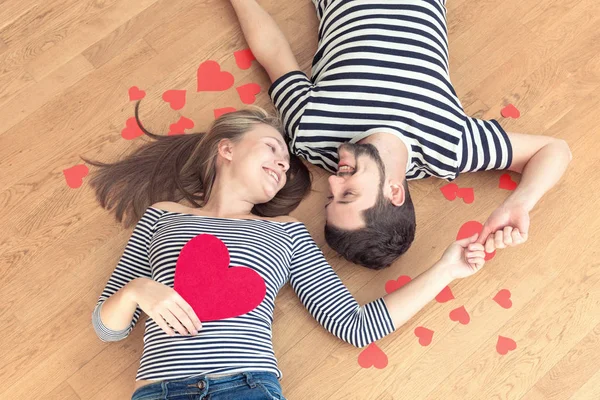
[(379, 110)]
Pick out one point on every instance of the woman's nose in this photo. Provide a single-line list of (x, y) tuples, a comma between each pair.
[(284, 165)]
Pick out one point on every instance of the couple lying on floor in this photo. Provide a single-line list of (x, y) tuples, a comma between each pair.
[(379, 110)]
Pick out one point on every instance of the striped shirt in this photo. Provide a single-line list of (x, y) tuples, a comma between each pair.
[(382, 66), (278, 252)]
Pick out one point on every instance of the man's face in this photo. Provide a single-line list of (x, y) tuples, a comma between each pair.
[(355, 187)]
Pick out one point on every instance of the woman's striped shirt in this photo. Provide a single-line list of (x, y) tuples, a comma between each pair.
[(278, 252)]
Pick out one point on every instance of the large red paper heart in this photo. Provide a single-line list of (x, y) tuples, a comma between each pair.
[(212, 79), (248, 92), (461, 315), (425, 335), (507, 183), (510, 111), (244, 58), (213, 289), (175, 98), (503, 298), (449, 191), (132, 130), (469, 229), (180, 126), (393, 285), (136, 94), (467, 194), (74, 175), (445, 295), (372, 356), (504, 345), (220, 111)]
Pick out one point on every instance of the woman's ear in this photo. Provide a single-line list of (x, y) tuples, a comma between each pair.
[(225, 148), (397, 193)]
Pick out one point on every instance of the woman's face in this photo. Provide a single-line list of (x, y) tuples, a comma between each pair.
[(259, 162)]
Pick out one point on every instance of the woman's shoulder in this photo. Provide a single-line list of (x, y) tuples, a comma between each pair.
[(171, 206), (284, 218)]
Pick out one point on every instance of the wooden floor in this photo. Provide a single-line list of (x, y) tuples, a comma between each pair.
[(65, 70)]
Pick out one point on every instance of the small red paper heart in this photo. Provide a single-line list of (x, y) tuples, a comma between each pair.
[(213, 289), (510, 111), (132, 130), (175, 98), (425, 335), (461, 315), (504, 345), (248, 92), (220, 111), (136, 94), (244, 58), (393, 285), (449, 191), (212, 79), (180, 126), (372, 356), (507, 183), (467, 194), (503, 298), (74, 175), (470, 228), (445, 295)]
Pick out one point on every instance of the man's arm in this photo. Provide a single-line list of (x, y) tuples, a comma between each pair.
[(267, 42)]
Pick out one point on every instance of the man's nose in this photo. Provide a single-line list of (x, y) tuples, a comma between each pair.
[(335, 182)]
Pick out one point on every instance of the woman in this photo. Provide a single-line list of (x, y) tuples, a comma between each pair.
[(239, 178)]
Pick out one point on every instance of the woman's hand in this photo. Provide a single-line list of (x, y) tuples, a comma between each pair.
[(463, 258), (165, 306)]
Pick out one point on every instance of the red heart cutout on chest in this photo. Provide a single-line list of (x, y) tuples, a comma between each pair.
[(248, 92), (213, 289), (504, 345), (507, 183), (212, 79), (393, 285), (470, 228), (74, 175), (461, 315), (175, 98), (132, 130), (244, 58), (373, 356), (503, 298), (425, 335)]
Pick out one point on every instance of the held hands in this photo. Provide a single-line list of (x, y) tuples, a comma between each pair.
[(463, 258), (507, 226), (165, 306)]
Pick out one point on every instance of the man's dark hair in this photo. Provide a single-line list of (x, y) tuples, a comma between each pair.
[(389, 232)]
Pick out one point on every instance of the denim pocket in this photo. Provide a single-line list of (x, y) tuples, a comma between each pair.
[(271, 390)]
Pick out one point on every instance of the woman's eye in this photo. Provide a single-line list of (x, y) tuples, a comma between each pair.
[(272, 148)]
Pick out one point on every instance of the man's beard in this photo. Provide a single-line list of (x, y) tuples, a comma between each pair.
[(358, 150)]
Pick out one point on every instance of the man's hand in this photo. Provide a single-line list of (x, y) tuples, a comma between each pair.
[(507, 226)]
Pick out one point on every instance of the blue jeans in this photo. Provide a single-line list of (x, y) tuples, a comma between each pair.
[(244, 386)]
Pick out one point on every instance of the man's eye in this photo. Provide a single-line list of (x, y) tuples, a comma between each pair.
[(348, 193)]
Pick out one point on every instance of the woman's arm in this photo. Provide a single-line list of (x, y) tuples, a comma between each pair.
[(267, 42)]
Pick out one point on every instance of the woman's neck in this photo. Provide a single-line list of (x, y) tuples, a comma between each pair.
[(224, 203)]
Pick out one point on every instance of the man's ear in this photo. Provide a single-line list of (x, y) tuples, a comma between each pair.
[(397, 193), (225, 148)]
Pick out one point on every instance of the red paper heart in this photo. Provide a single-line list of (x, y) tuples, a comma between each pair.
[(393, 285), (504, 345), (220, 111), (132, 130), (467, 194), (248, 92), (213, 289), (470, 228), (212, 79), (175, 98), (510, 111), (449, 191), (445, 295), (507, 183), (74, 175), (180, 126), (372, 356), (244, 58), (136, 94), (461, 315), (503, 298), (425, 335)]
